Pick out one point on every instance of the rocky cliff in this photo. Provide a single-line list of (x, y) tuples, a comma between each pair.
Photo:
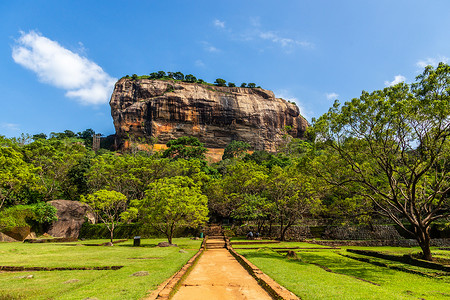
[(145, 108)]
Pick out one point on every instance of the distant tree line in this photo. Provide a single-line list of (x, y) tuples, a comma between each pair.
[(161, 75), (386, 153)]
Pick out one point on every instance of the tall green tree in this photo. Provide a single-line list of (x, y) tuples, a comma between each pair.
[(53, 159), (293, 196), (395, 142), (171, 202), (15, 174), (108, 205)]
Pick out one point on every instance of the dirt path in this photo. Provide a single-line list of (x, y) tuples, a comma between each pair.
[(217, 275)]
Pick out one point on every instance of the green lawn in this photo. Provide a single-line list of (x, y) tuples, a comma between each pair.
[(161, 263), (350, 279)]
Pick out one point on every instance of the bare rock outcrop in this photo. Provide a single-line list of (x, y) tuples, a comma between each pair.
[(71, 216), (166, 110)]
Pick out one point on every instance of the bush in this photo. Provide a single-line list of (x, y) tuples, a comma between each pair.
[(27, 215)]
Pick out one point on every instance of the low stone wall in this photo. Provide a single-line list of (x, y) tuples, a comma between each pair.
[(375, 232), (377, 243), (377, 235), (295, 233)]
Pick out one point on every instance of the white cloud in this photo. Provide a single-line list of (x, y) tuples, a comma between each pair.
[(210, 48), (397, 79), (199, 63), (286, 95), (433, 61), (10, 127), (331, 96), (284, 42), (219, 24), (83, 79)]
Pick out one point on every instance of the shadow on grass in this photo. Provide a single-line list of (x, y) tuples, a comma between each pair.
[(327, 260)]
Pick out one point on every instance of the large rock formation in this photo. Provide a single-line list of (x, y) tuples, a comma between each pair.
[(71, 215), (145, 108)]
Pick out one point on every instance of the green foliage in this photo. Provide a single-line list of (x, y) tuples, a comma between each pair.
[(220, 82), (170, 202), (267, 159), (185, 147), (190, 78), (39, 136), (235, 149), (108, 205), (395, 144), (53, 159), (231, 84), (15, 216), (24, 215), (251, 85), (16, 176), (44, 212)]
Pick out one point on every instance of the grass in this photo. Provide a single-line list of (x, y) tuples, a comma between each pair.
[(308, 278), (161, 263)]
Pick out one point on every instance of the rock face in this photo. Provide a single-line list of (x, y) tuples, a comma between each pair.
[(71, 216), (18, 233), (145, 108)]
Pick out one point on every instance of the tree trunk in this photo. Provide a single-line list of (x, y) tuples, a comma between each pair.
[(112, 234), (424, 239), (281, 231), (260, 225), (284, 230), (170, 233)]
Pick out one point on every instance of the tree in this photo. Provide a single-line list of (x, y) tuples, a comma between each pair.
[(231, 84), (395, 145), (87, 136), (108, 205), (292, 194), (185, 147), (53, 159), (220, 82), (190, 78), (235, 149), (170, 202), (161, 74), (39, 136), (15, 174), (254, 208), (243, 85), (251, 85), (240, 181), (178, 76)]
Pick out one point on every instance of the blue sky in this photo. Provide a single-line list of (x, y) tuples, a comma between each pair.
[(60, 59)]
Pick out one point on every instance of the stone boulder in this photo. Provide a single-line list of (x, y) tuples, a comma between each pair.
[(18, 233), (167, 110), (6, 238), (166, 244), (71, 216)]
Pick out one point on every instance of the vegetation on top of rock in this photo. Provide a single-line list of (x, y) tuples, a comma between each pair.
[(178, 76)]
